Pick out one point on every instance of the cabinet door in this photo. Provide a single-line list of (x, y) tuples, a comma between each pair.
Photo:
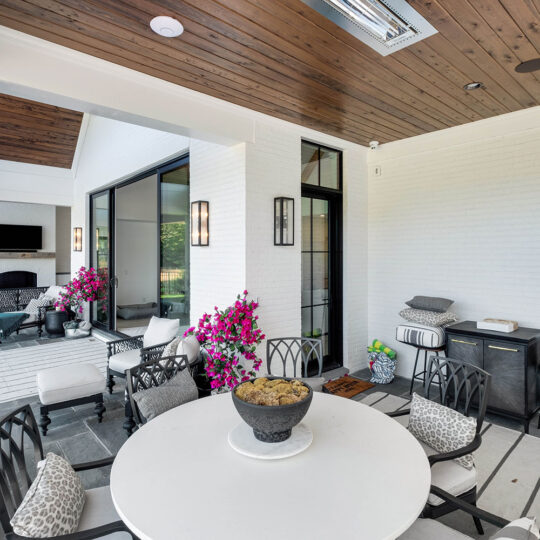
[(506, 363), (465, 348)]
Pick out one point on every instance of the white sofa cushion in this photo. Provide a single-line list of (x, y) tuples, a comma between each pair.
[(429, 529), (54, 292), (125, 360), (160, 331), (54, 503), (190, 347), (520, 529), (99, 510), (65, 383)]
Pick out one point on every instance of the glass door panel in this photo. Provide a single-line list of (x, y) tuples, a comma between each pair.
[(100, 256), (175, 244)]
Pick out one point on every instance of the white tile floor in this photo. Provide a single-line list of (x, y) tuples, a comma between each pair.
[(18, 367)]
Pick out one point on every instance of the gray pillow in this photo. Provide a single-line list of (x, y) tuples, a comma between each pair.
[(176, 391), (54, 503), (520, 529), (442, 428), (430, 303), (428, 318)]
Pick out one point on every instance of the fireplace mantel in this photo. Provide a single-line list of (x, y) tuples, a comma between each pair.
[(27, 255)]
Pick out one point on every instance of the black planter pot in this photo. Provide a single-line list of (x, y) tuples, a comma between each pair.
[(272, 423)]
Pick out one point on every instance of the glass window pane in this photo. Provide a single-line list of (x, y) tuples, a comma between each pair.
[(330, 168), (306, 224), (306, 279), (320, 278), (175, 245), (320, 321), (320, 225), (306, 322), (310, 164), (100, 254)]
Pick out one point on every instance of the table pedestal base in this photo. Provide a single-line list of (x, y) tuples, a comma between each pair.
[(242, 439)]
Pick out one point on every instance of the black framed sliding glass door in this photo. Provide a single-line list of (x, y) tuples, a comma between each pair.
[(322, 250)]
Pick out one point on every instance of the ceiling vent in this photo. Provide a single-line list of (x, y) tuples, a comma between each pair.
[(384, 25)]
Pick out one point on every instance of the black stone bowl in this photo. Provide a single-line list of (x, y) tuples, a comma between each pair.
[(272, 423)]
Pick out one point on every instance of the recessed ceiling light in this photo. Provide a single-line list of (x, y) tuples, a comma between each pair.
[(529, 66), (166, 26), (473, 86)]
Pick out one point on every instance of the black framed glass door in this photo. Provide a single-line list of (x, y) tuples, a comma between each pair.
[(101, 250), (322, 250)]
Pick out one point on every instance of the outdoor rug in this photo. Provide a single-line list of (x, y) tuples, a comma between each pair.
[(347, 386), (507, 462), (18, 367)]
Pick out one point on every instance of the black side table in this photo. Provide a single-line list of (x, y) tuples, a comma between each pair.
[(54, 322)]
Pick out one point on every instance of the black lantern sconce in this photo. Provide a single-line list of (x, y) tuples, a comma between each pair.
[(283, 221), (200, 232), (77, 238)]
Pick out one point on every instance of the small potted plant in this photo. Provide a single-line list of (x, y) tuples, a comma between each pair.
[(84, 287), (230, 337)]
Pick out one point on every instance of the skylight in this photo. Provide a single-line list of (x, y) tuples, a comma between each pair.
[(384, 25)]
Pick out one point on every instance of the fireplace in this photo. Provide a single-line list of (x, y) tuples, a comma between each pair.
[(17, 278)]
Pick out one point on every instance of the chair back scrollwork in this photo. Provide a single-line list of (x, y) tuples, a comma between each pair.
[(298, 352), (20, 451), (459, 386)]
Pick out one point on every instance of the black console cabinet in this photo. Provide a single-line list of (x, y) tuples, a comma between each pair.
[(512, 360)]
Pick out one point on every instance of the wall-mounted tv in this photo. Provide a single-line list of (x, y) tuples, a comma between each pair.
[(20, 238)]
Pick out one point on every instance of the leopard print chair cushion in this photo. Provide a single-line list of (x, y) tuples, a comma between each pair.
[(442, 428), (54, 503)]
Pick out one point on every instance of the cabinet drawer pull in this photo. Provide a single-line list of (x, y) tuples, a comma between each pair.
[(502, 348), (465, 342)]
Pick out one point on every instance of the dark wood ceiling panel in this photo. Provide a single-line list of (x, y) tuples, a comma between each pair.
[(37, 133), (282, 58)]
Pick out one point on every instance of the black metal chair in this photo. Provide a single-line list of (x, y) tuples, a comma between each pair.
[(129, 344), (292, 349), (146, 375), (464, 388), (20, 450)]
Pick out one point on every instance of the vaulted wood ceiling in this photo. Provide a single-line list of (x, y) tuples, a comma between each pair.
[(37, 133), (282, 58)]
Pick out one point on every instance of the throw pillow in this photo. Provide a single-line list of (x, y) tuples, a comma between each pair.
[(520, 529), (54, 292), (160, 331), (428, 318), (190, 347), (430, 303), (54, 503), (176, 391), (171, 348), (35, 303), (442, 428), (417, 334)]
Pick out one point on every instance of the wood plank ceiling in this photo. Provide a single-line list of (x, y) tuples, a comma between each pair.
[(282, 58), (36, 133)]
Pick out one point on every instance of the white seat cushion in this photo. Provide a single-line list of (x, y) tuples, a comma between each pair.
[(450, 476), (125, 360), (160, 331), (65, 383), (99, 510), (429, 529)]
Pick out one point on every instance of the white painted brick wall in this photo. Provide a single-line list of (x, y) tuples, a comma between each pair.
[(455, 215)]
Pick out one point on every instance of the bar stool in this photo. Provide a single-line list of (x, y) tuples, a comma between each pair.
[(421, 375)]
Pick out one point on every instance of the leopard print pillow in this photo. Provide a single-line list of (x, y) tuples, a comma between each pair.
[(54, 503), (442, 428)]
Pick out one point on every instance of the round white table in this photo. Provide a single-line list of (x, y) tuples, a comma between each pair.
[(364, 477)]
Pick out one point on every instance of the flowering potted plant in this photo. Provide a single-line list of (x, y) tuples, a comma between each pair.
[(230, 337), (84, 287)]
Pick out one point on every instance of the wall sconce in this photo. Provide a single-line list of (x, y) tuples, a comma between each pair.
[(283, 221), (200, 233), (77, 238)]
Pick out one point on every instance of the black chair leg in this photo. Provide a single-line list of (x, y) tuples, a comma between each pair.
[(478, 524), (129, 423), (44, 420), (110, 381), (99, 409), (413, 378)]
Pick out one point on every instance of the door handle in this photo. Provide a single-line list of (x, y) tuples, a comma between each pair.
[(503, 348), (464, 342)]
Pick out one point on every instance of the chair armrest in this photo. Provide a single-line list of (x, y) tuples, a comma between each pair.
[(447, 456), (398, 413), (153, 352), (126, 344), (94, 464), (89, 534), (469, 508)]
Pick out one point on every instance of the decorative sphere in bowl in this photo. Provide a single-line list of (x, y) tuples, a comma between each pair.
[(272, 423)]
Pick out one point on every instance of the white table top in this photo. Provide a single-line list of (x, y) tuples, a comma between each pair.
[(364, 477)]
